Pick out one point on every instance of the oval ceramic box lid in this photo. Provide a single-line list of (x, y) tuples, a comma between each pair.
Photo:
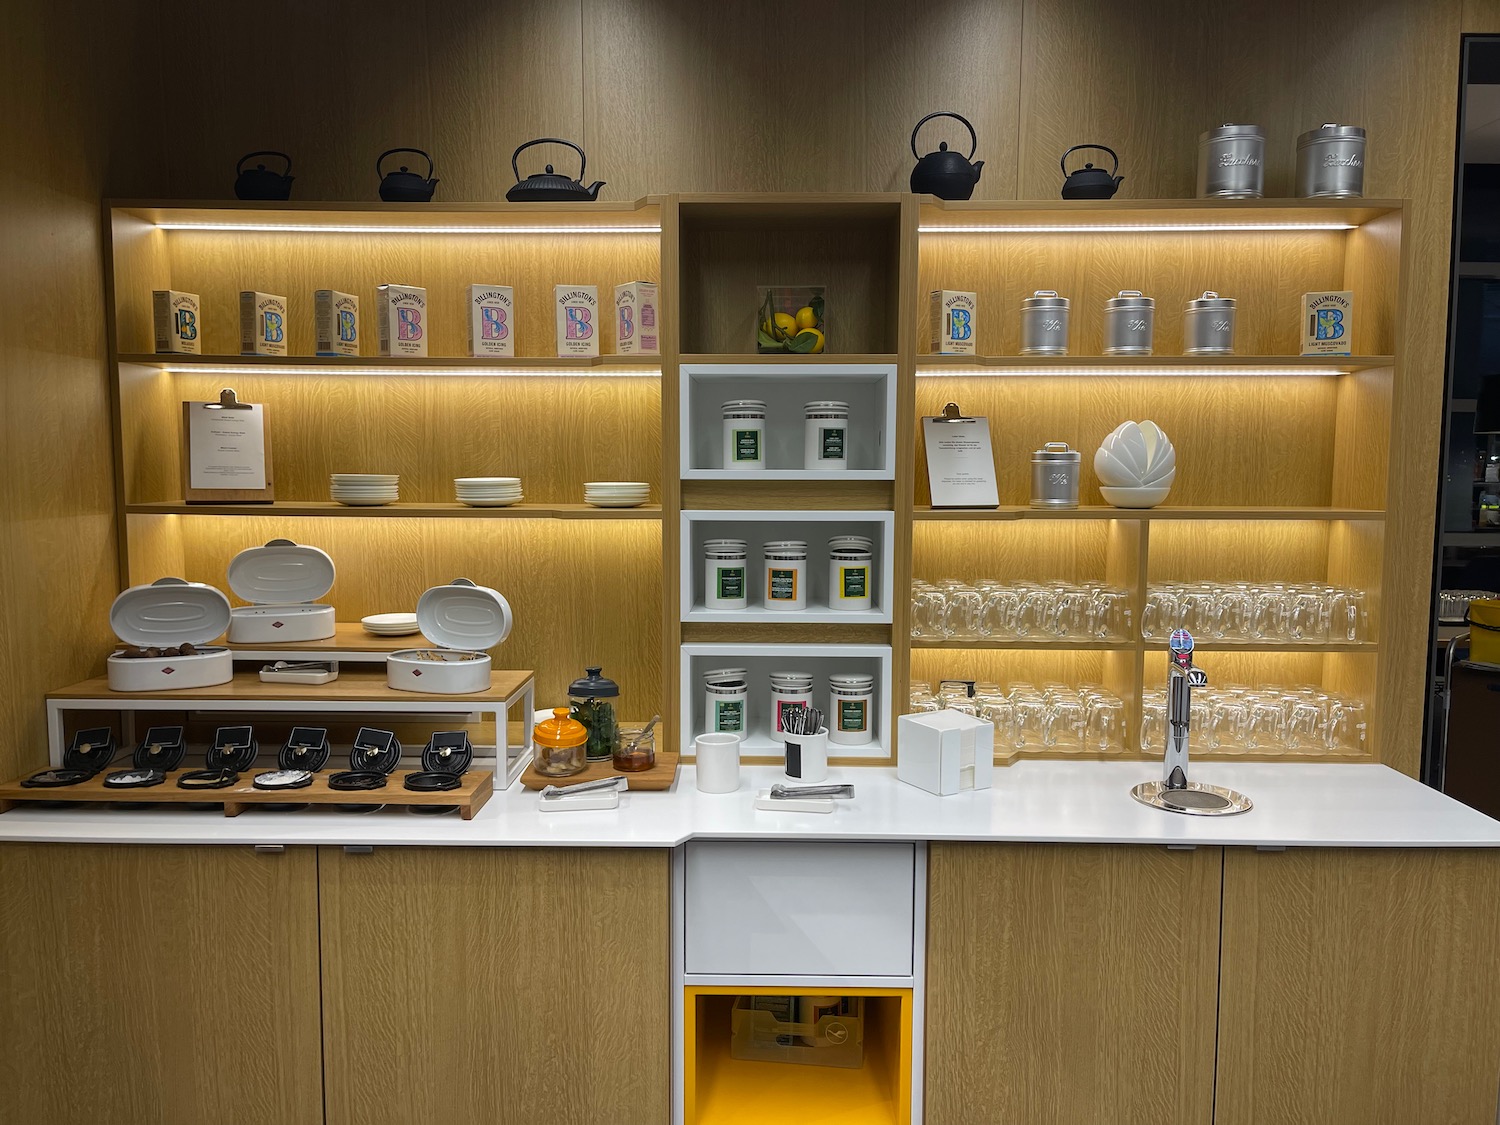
[(169, 612), (462, 615), (281, 573)]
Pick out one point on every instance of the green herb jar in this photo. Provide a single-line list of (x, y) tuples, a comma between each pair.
[(592, 699)]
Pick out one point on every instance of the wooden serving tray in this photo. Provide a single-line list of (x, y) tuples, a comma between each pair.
[(470, 797), (657, 778)]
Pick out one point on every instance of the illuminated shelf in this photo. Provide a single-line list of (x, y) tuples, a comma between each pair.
[(1025, 644), (1204, 644), (788, 357), (1228, 366), (1164, 512), (645, 365), (398, 511), (639, 217), (944, 218)]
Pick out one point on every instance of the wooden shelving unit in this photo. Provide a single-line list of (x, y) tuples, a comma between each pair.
[(327, 508)]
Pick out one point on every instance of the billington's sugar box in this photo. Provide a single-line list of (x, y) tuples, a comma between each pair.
[(336, 317), (1328, 323), (262, 323), (636, 320), (401, 316), (492, 320), (174, 318), (952, 314), (577, 309)]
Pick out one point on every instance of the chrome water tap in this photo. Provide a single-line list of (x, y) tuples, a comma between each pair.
[(1182, 677)]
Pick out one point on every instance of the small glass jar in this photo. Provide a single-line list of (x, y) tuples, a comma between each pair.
[(1208, 325), (724, 584), (725, 700), (1044, 324), (560, 745), (637, 750), (1129, 323), (850, 572), (744, 434), (827, 438), (788, 688), (851, 700), (786, 574), (592, 698)]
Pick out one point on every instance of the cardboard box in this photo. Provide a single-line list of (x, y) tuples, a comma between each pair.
[(492, 320), (174, 318), (262, 323), (336, 317), (945, 752), (577, 308), (1328, 323), (952, 312), (637, 330), (401, 317)]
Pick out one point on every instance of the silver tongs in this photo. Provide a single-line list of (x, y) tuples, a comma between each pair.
[(604, 784), (797, 792)]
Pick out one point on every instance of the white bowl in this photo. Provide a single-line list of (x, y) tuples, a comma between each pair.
[(1141, 497), (1111, 470)]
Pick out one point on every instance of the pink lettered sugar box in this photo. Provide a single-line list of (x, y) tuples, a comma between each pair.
[(636, 320), (577, 320), (492, 320), (401, 317)]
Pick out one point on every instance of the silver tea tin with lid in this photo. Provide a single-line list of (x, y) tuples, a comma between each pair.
[(1208, 325), (1331, 162), (1054, 476), (1232, 162), (1044, 324), (1129, 323)]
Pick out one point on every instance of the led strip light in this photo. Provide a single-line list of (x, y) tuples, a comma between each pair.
[(371, 228), (1121, 372), (1127, 228), (470, 372)]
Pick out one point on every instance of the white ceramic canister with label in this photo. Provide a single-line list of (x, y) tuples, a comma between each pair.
[(786, 574), (826, 445), (851, 709), (744, 434), (724, 577), (725, 700), (788, 688), (851, 572)]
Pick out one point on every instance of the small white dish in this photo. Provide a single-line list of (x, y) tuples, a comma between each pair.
[(1141, 497), (391, 624)]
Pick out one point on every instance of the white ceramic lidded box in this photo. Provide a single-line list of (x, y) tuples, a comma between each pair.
[(462, 620), (577, 308), (492, 320), (283, 582), (946, 752), (401, 319), (262, 323), (165, 614)]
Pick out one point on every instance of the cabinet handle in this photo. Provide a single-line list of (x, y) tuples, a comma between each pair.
[(359, 849), (1270, 847), (269, 849)]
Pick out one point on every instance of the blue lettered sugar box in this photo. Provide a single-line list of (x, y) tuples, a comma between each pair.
[(1328, 323), (492, 320), (262, 323), (953, 322), (174, 318), (401, 318), (335, 322)]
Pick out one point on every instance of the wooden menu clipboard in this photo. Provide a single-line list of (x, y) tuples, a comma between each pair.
[(227, 401)]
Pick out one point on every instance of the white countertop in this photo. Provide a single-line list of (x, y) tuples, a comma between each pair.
[(1296, 805)]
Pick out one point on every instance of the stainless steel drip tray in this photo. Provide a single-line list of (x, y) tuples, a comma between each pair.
[(1198, 799)]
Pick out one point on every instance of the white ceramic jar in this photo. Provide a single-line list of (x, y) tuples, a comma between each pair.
[(788, 688), (724, 585), (851, 717), (725, 700), (786, 574), (851, 572), (744, 434), (826, 445)]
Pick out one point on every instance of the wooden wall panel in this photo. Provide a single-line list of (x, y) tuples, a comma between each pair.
[(1359, 987), (158, 986), (1071, 984), (559, 1013)]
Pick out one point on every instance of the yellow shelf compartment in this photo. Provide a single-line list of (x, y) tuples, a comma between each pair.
[(721, 1090)]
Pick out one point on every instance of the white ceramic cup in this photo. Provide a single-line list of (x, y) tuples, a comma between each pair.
[(807, 756), (718, 762)]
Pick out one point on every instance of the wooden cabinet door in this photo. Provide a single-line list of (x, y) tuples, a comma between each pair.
[(1071, 985), (502, 986), (158, 986), (1360, 987)]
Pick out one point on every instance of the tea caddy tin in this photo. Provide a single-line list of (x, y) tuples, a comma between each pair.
[(1232, 162)]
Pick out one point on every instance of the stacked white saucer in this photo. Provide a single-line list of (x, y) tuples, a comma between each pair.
[(364, 488), (616, 493), (390, 624), (487, 492)]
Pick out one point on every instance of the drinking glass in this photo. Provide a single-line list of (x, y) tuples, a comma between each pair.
[(1063, 724), (961, 613), (1104, 726)]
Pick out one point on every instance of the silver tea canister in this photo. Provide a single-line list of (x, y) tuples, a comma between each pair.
[(1208, 325), (1232, 162), (1054, 476), (1129, 323), (1331, 162), (1044, 324)]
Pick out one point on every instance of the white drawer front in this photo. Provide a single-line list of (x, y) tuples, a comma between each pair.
[(835, 909)]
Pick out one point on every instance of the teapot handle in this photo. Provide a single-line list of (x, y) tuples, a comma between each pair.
[(379, 160), (240, 167), (1101, 148), (973, 139), (583, 161)]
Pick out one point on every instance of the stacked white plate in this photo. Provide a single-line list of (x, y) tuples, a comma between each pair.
[(487, 492), (616, 493), (390, 624), (364, 488)]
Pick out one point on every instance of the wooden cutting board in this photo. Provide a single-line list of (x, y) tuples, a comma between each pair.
[(657, 778)]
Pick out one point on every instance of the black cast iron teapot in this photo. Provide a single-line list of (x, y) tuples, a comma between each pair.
[(943, 173), (1090, 182), (549, 186), (260, 182), (405, 186)]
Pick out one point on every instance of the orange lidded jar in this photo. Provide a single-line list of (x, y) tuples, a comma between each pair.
[(560, 745)]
